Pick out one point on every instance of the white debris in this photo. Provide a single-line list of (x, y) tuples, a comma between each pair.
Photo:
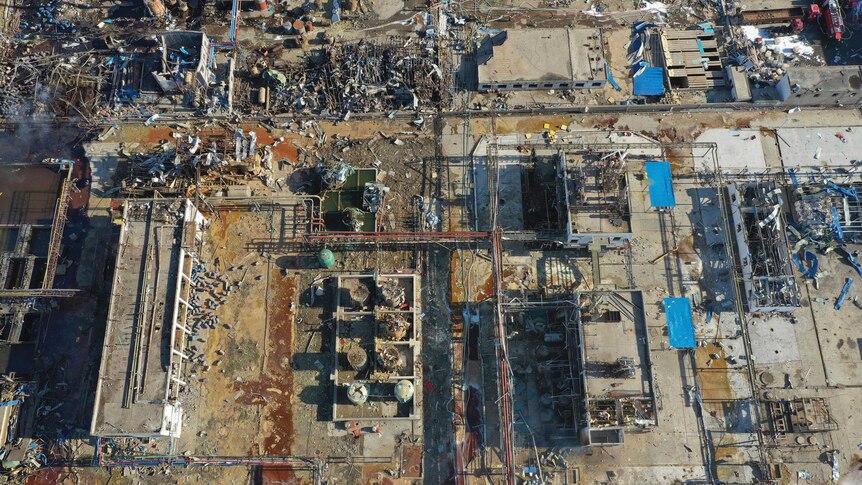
[(789, 45), (655, 7)]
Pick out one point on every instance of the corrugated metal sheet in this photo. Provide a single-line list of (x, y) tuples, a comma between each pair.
[(650, 82), (680, 324), (660, 184)]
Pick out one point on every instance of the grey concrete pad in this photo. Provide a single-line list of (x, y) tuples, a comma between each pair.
[(817, 147), (738, 148), (773, 340)]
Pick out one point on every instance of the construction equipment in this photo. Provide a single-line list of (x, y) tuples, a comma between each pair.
[(796, 17), (834, 19)]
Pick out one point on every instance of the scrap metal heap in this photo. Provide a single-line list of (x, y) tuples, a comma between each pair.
[(826, 217), (197, 161), (393, 326), (41, 83), (112, 76), (172, 69), (390, 293), (20, 454), (362, 77)]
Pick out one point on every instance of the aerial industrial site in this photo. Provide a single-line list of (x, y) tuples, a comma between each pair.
[(395, 242)]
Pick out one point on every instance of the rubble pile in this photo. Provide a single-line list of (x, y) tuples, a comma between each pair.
[(393, 326), (362, 77), (390, 293), (21, 454), (211, 291), (60, 85), (389, 358), (766, 58), (198, 162)]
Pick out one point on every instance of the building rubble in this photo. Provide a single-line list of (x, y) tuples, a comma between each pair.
[(362, 77)]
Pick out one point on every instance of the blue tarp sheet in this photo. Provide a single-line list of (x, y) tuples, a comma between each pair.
[(660, 184), (680, 326), (610, 77), (650, 82)]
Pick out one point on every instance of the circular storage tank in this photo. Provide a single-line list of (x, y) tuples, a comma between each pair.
[(326, 258), (358, 392), (357, 357), (404, 391)]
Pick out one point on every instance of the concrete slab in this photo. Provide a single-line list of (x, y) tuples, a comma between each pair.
[(817, 147), (773, 340), (737, 148)]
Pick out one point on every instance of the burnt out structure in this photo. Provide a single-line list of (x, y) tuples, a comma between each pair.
[(757, 214), (595, 189), (796, 422), (571, 194), (619, 389), (34, 200), (376, 371), (581, 369), (32, 218), (174, 69), (148, 340)]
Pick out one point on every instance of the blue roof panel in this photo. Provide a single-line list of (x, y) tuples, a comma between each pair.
[(660, 184), (650, 82), (680, 324)]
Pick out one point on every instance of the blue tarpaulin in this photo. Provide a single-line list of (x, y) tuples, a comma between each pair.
[(610, 77), (680, 326), (660, 184), (650, 82)]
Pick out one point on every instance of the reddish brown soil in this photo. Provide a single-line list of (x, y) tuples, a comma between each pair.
[(275, 387)]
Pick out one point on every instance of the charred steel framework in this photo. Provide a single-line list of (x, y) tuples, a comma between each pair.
[(362, 77), (58, 224), (757, 213)]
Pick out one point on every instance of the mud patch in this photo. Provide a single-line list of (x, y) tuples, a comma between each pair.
[(275, 387)]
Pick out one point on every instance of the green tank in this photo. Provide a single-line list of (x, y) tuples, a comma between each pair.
[(326, 258)]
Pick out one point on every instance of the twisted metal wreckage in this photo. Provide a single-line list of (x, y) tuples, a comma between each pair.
[(357, 78)]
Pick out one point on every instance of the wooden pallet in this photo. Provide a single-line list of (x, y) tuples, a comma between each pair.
[(692, 59)]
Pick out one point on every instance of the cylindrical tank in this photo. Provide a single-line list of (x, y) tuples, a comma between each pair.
[(358, 392), (261, 95), (261, 5), (393, 326), (404, 391), (389, 358), (326, 258), (357, 357)]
